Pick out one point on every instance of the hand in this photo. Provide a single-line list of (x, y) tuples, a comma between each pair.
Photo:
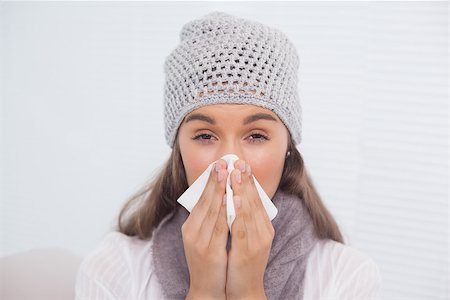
[(252, 234), (205, 235)]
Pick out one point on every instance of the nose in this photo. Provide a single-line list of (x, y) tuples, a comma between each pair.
[(232, 149)]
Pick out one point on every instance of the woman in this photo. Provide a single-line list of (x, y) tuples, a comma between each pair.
[(231, 88)]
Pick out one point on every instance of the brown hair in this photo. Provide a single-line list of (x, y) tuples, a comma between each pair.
[(158, 198)]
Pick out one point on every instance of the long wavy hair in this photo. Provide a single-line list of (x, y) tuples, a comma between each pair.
[(145, 209)]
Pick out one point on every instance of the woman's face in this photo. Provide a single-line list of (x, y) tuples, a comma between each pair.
[(255, 134)]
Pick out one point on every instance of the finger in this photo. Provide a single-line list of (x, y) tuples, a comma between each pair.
[(246, 209), (220, 235), (208, 225), (212, 191), (248, 187), (239, 241), (235, 174), (260, 215)]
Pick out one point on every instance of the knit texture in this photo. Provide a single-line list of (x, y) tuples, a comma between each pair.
[(222, 58), (284, 275)]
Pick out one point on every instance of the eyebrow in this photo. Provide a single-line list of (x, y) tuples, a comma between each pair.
[(247, 120)]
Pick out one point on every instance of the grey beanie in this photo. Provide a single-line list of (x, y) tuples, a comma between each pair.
[(226, 59)]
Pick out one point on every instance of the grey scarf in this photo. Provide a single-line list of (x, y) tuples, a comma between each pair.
[(285, 270)]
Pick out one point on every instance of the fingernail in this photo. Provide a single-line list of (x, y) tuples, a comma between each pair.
[(220, 176), (249, 170), (237, 201), (242, 167), (217, 166), (238, 176)]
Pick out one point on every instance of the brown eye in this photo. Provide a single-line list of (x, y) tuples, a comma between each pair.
[(201, 135), (258, 138), (203, 138), (206, 138)]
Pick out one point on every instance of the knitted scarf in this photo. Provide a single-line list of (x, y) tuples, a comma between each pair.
[(285, 271)]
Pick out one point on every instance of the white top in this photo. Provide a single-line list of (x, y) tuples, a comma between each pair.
[(121, 268)]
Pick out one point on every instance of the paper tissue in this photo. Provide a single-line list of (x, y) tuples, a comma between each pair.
[(191, 196)]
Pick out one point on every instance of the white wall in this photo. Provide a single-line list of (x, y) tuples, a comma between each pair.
[(82, 124)]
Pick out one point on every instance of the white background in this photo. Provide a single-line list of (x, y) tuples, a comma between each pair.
[(82, 121)]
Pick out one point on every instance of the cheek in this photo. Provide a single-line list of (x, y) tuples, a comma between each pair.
[(195, 164), (267, 170)]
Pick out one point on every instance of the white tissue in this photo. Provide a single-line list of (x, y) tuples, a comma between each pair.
[(191, 196)]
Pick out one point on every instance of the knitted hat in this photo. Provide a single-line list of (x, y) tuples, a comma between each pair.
[(226, 59)]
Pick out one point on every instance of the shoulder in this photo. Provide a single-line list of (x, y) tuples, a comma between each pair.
[(343, 271), (115, 248), (344, 257), (113, 265)]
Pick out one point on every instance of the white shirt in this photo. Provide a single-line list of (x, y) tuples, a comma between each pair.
[(120, 267)]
